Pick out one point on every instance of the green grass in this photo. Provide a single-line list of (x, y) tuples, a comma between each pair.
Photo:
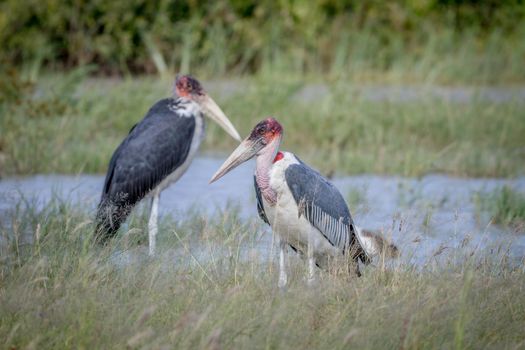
[(63, 292), (505, 205), (70, 124)]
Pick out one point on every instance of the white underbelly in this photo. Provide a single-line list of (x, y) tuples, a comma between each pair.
[(297, 231)]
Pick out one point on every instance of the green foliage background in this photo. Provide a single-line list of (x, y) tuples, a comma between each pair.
[(223, 37), (51, 111)]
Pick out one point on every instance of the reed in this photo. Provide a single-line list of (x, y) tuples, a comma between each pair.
[(71, 124), (63, 292)]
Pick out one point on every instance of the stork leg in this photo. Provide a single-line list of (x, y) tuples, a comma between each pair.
[(283, 257), (311, 264), (153, 223)]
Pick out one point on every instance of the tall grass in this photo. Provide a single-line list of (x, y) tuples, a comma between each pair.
[(70, 125), (505, 205), (63, 292)]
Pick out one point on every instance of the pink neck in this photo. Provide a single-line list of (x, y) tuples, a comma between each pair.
[(263, 166)]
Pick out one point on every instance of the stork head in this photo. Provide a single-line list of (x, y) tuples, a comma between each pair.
[(264, 140), (189, 88)]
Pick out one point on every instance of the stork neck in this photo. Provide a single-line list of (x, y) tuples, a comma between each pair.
[(263, 166), (187, 108)]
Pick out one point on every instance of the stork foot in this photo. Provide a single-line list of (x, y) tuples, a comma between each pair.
[(311, 282), (283, 281)]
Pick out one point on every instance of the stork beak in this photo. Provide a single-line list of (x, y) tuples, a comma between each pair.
[(213, 111), (245, 151)]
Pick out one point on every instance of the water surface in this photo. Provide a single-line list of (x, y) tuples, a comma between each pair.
[(423, 216)]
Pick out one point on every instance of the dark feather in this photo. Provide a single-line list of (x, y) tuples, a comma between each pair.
[(260, 205), (153, 149)]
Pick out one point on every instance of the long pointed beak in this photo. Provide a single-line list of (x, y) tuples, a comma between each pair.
[(245, 151), (216, 114)]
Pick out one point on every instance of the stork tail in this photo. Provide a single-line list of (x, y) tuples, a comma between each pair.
[(108, 220)]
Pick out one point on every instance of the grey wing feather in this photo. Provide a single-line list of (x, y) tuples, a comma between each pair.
[(323, 206), (260, 205)]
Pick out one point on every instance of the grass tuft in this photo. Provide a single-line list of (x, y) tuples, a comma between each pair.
[(61, 291), (70, 124), (505, 205)]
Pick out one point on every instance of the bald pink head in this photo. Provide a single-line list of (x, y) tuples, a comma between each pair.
[(188, 87), (266, 130), (263, 142)]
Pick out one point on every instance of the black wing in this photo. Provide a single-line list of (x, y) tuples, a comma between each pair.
[(323, 206), (153, 149), (260, 206)]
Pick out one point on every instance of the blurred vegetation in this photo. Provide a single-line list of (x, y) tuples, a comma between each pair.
[(72, 123), (505, 205), (444, 40), (216, 288)]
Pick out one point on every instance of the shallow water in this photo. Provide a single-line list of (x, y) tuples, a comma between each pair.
[(423, 216)]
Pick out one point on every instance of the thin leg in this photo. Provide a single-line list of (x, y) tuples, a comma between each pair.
[(311, 264), (272, 252), (152, 224), (357, 269), (283, 257)]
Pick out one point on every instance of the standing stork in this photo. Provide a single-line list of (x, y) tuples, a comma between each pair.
[(305, 210), (156, 153)]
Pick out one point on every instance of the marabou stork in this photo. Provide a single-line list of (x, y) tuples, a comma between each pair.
[(156, 153), (305, 210)]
